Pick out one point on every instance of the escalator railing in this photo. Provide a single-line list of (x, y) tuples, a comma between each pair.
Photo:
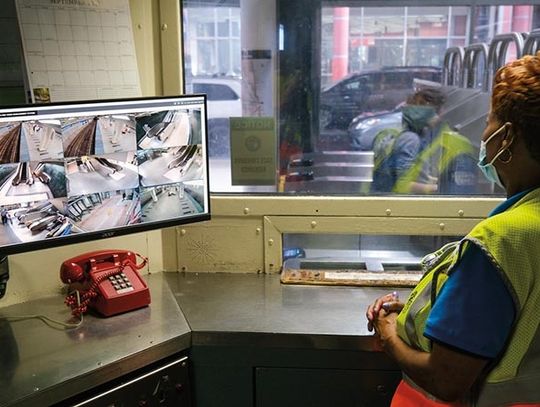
[(498, 49), (474, 59), (532, 43), (452, 73)]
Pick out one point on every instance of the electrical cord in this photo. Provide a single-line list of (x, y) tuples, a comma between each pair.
[(53, 323)]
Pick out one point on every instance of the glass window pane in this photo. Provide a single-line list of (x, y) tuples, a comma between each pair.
[(224, 57), (345, 82), (459, 21), (223, 28), (203, 23), (493, 20), (235, 29), (206, 57), (336, 246), (235, 21), (427, 22), (385, 53), (384, 21), (356, 259), (429, 52), (235, 58), (363, 118)]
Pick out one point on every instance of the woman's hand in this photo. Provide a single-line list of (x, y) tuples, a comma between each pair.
[(389, 302), (385, 327)]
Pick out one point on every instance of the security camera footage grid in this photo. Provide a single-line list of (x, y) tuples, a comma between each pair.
[(91, 172)]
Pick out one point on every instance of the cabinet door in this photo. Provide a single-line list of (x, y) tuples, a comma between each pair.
[(167, 385), (324, 387)]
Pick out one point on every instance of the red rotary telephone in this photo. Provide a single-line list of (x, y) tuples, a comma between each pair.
[(107, 281)]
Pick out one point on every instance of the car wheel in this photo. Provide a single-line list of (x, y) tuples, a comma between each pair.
[(325, 117)]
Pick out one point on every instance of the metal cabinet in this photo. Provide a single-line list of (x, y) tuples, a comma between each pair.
[(158, 385), (257, 375), (324, 387)]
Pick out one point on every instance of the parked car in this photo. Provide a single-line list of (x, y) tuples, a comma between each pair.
[(223, 95), (364, 127), (224, 102), (370, 91)]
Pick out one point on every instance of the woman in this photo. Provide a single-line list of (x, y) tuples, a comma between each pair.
[(404, 161), (468, 334), (402, 158)]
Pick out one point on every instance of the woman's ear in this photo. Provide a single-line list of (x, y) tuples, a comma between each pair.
[(508, 138)]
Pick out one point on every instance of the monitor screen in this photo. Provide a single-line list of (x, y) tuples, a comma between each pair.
[(71, 172)]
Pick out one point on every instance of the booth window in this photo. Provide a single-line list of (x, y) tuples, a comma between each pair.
[(335, 79), (334, 259)]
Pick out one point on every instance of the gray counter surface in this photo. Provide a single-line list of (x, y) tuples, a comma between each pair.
[(226, 308), (41, 366)]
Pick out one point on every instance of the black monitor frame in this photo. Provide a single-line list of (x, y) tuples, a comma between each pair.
[(30, 109)]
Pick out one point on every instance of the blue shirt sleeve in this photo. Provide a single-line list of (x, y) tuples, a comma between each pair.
[(474, 311), (405, 151)]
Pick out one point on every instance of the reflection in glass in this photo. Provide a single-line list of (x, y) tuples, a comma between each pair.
[(343, 76)]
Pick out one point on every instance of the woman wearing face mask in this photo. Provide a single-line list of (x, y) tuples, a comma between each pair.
[(469, 332), (411, 161), (398, 155)]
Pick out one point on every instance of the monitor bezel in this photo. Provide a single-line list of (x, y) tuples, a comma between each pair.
[(125, 230)]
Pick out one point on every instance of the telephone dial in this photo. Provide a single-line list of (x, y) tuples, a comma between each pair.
[(106, 281)]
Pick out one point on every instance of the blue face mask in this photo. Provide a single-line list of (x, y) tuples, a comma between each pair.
[(487, 168), (416, 117)]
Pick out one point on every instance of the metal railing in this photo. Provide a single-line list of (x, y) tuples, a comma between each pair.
[(498, 49), (474, 66), (453, 66), (532, 43)]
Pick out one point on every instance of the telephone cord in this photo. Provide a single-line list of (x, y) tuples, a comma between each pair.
[(138, 266), (80, 307), (73, 300)]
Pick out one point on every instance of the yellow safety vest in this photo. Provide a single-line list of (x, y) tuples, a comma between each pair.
[(448, 145), (510, 239)]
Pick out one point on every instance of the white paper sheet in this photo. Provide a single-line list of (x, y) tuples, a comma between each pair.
[(69, 48)]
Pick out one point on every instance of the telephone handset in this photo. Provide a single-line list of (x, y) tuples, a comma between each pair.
[(107, 281)]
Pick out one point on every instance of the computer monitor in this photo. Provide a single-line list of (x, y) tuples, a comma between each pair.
[(72, 172)]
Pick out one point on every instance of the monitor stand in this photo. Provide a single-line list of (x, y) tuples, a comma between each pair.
[(4, 274)]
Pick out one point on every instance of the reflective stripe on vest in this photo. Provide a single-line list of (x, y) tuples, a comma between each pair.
[(448, 144), (418, 305)]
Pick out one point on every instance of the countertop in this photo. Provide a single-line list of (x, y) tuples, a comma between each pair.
[(40, 365), (226, 308)]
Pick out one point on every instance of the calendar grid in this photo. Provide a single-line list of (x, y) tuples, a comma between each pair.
[(79, 49)]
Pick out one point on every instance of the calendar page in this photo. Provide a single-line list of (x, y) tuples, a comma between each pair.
[(78, 49)]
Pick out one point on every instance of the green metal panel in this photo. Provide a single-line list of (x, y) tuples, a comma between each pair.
[(12, 95), (246, 376), (324, 387)]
